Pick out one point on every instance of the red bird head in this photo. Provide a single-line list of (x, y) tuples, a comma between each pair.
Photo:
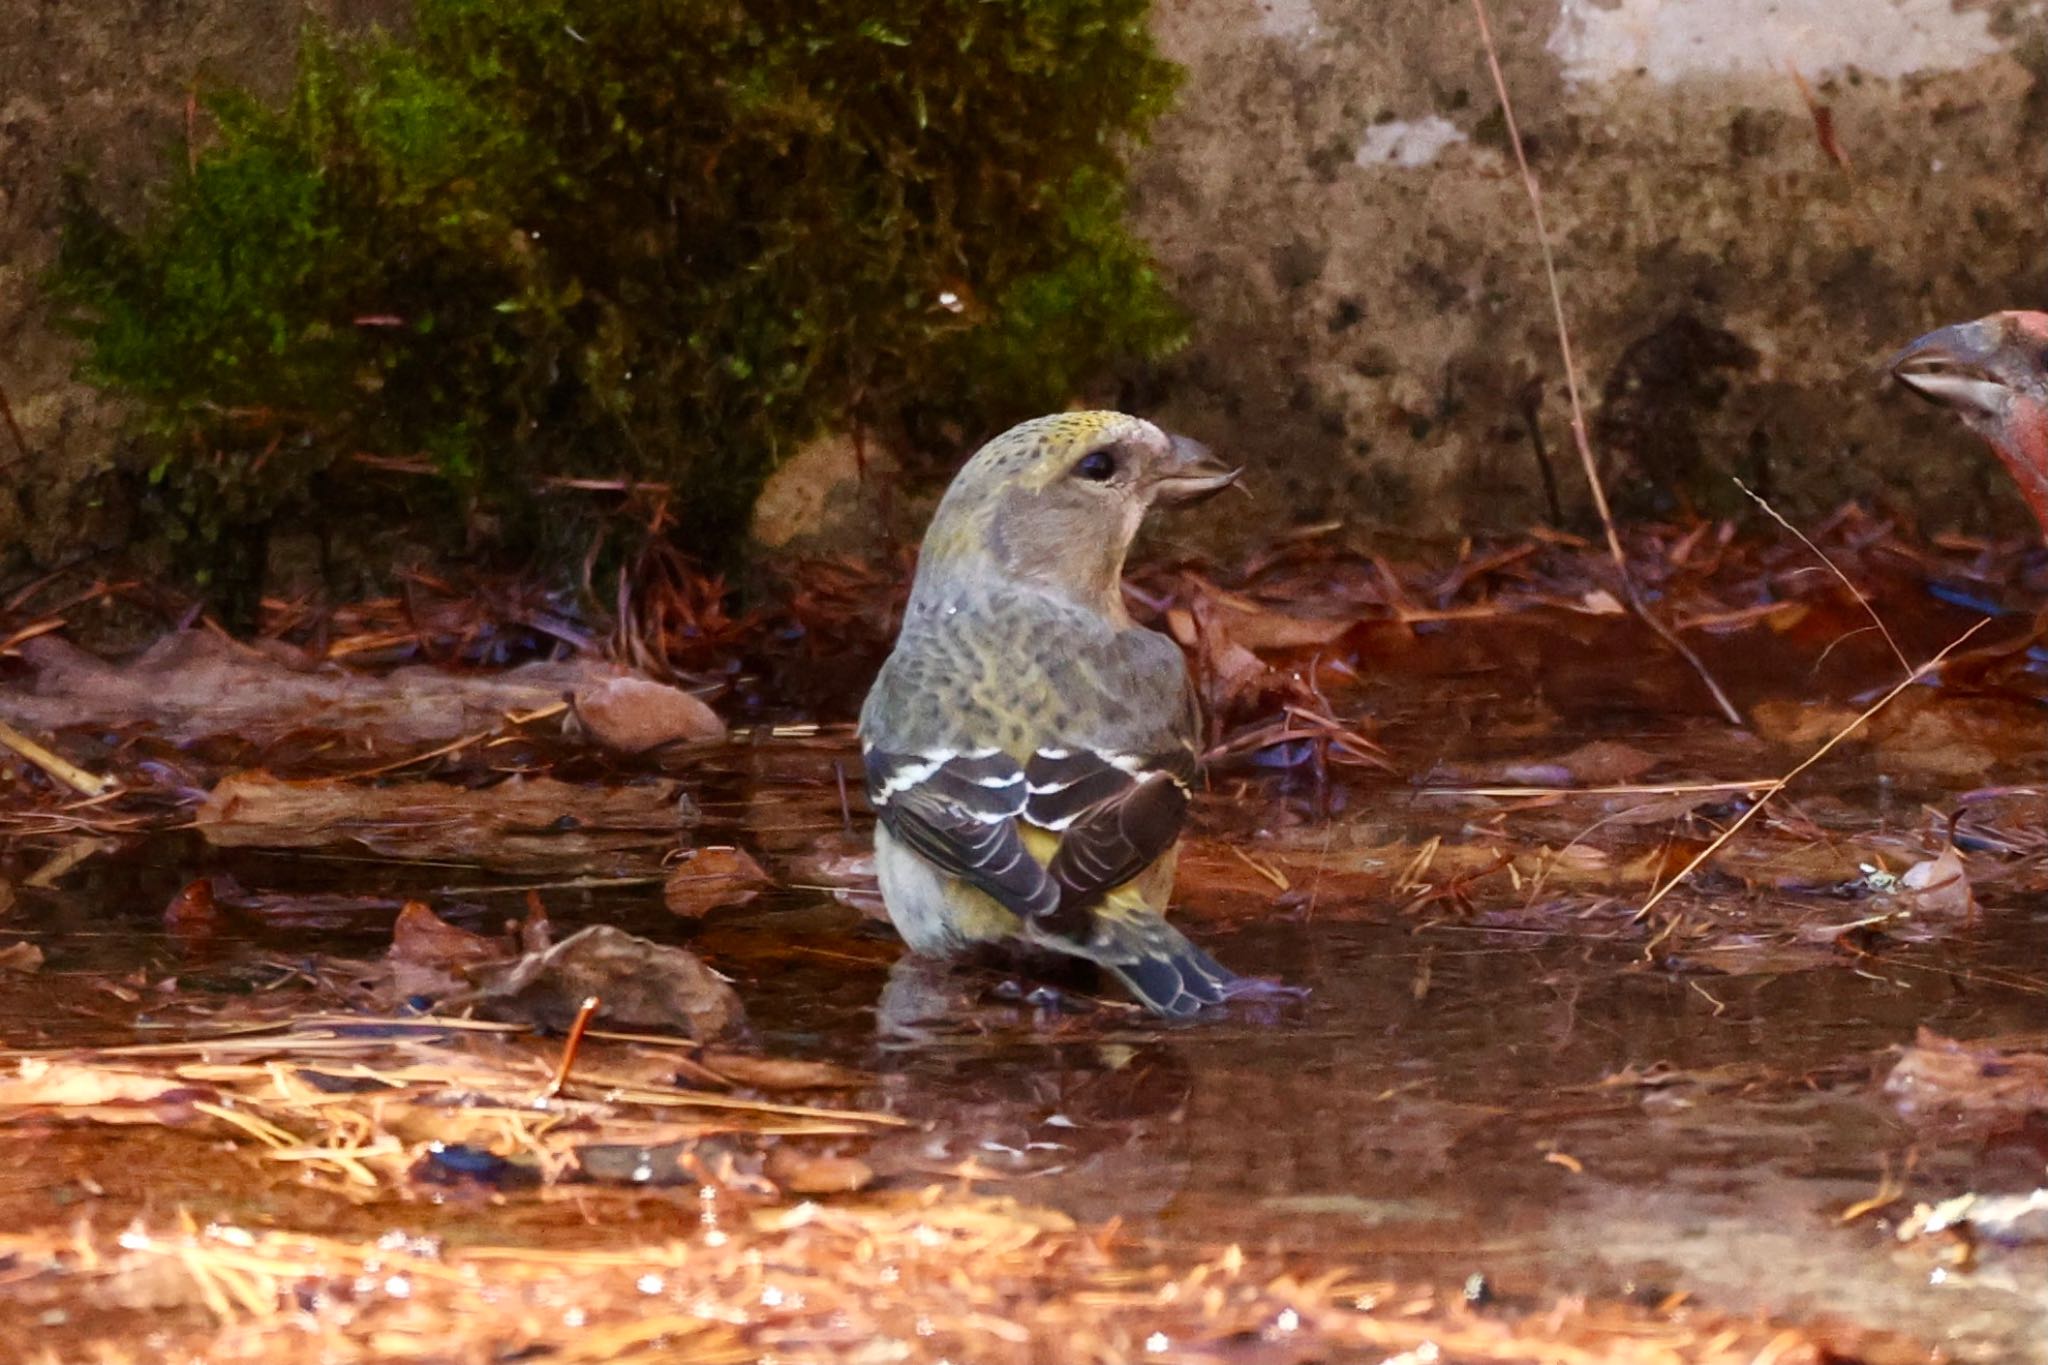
[(1992, 373)]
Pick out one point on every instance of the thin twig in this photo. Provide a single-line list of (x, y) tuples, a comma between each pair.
[(1781, 783), (57, 766), (1824, 131), (457, 745), (584, 1014), (1611, 789), (1820, 554), (442, 751), (1571, 383)]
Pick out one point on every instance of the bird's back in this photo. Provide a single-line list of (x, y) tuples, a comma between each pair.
[(1020, 671)]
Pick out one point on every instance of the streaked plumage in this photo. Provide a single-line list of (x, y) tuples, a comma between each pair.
[(1028, 748)]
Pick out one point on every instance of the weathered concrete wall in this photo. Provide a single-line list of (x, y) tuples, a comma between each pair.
[(1336, 198)]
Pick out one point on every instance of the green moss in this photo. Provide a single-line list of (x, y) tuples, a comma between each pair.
[(653, 239)]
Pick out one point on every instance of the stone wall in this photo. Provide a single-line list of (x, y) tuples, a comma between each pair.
[(1335, 200)]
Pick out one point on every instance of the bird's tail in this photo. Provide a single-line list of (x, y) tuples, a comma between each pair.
[(1158, 965)]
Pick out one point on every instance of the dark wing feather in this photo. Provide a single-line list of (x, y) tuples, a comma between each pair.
[(1116, 816), (959, 812)]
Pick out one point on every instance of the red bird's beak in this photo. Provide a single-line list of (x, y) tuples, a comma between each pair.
[(1956, 368), (1992, 373)]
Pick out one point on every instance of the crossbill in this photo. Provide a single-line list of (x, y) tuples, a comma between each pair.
[(1992, 373), (1028, 747)]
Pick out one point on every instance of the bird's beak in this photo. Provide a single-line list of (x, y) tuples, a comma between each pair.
[(1954, 367), (1192, 473)]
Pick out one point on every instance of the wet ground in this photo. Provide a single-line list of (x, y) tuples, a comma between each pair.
[(1506, 1091)]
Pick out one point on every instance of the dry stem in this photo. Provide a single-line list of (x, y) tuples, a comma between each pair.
[(1571, 383), (63, 769), (1835, 569), (1781, 783)]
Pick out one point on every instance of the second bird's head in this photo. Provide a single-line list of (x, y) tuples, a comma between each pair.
[(1992, 373), (1057, 500)]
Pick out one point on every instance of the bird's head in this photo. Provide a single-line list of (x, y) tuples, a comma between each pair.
[(1057, 500), (1992, 373)]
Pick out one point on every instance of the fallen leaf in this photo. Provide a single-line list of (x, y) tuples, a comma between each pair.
[(429, 956), (1798, 724), (21, 957), (1226, 671), (1600, 602), (1939, 885), (781, 1073), (633, 715), (801, 1172), (703, 879), (1257, 626), (2012, 1219), (192, 913), (640, 984), (1600, 763), (421, 936), (843, 865)]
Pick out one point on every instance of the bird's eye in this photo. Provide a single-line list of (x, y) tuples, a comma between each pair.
[(1097, 465)]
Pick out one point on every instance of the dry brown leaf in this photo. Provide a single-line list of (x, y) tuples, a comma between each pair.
[(843, 865), (703, 879), (1256, 626), (1602, 762), (21, 957), (781, 1073), (1798, 724), (633, 715), (1939, 885), (801, 1172), (192, 913), (420, 936), (639, 984)]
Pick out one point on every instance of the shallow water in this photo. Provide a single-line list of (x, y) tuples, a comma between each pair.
[(1493, 1091), (1456, 1104)]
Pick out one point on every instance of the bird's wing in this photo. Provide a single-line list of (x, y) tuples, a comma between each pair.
[(1116, 815), (1115, 790), (1085, 731), (959, 811)]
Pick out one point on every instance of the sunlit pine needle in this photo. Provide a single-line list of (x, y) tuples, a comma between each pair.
[(1764, 798)]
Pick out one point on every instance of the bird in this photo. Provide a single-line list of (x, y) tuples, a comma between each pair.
[(1992, 373), (1028, 748)]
